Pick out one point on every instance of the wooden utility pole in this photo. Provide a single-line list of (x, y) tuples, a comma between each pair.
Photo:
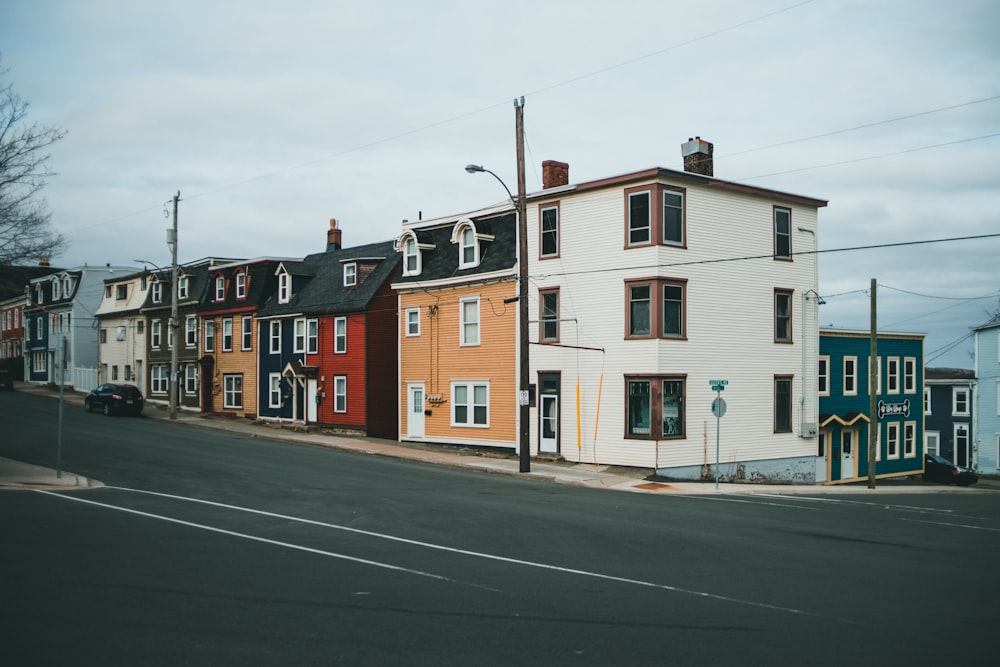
[(173, 325), (524, 440), (873, 390)]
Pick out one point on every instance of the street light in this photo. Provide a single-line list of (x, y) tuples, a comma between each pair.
[(524, 438)]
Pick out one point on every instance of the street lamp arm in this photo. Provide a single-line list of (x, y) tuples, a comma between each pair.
[(475, 169)]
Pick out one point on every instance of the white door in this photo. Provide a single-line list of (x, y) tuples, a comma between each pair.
[(822, 460), (548, 436), (415, 410), (311, 405), (847, 437)]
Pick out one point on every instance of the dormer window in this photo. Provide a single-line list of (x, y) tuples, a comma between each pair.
[(411, 258), (284, 288), (157, 292), (350, 274), (241, 285), (121, 292), (182, 287), (220, 288), (39, 292), (56, 291), (67, 286), (468, 241)]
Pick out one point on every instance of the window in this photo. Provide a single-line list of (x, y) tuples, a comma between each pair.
[(121, 292), (656, 308), (209, 335), (155, 333), (909, 375), (673, 218), (158, 379), (114, 372), (339, 335), (878, 441), (655, 215), (107, 292), (191, 379), (927, 400), (782, 404), (275, 337), (312, 336), (549, 231), (960, 401), (190, 331), (227, 334), (469, 314), (340, 393), (128, 373), (232, 393), (892, 440), (932, 442), (824, 375), (274, 390), (104, 335), (878, 375), (467, 248), (655, 408), (470, 404), (892, 375), (182, 287), (782, 233), (39, 361), (350, 274), (120, 333), (548, 300), (220, 288), (909, 439), (782, 316), (284, 288), (157, 292), (411, 257), (412, 321), (241, 285), (850, 376), (639, 223), (246, 340), (299, 340)]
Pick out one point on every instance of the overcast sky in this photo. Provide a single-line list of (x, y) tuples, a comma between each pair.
[(270, 118)]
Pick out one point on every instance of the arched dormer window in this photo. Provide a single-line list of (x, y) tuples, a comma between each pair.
[(469, 243), (284, 287), (412, 249)]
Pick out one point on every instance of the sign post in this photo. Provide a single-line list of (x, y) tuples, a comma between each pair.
[(719, 410)]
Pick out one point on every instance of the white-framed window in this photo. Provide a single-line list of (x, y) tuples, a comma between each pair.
[(158, 379), (411, 257), (220, 288), (246, 330), (909, 375), (469, 321), (284, 287), (274, 390), (227, 334), (241, 285), (413, 321), (932, 442), (548, 327), (275, 337), (823, 375), (350, 274), (182, 287), (232, 391), (892, 375), (468, 248), (340, 393), (960, 401), (470, 404), (299, 339), (782, 233), (927, 400), (191, 379), (548, 242), (157, 292), (39, 361), (312, 336), (155, 333), (892, 440), (170, 334), (639, 218), (340, 335), (190, 330), (209, 335), (909, 439), (850, 376)]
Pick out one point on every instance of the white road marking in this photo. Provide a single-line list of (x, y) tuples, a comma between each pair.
[(956, 525)]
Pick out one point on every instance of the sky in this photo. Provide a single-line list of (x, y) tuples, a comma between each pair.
[(272, 118)]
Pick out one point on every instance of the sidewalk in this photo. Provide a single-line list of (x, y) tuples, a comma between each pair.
[(20, 475)]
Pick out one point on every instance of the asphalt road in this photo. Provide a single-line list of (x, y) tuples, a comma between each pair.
[(206, 548)]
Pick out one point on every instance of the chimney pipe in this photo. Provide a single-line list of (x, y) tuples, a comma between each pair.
[(333, 236), (698, 156)]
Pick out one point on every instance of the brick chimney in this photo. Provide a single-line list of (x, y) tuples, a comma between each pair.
[(554, 174), (43, 260), (697, 156), (333, 236)]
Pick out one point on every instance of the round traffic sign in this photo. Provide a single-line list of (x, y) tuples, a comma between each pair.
[(719, 407)]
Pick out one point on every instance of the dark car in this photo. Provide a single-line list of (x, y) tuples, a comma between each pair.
[(6, 379), (115, 398), (939, 469)]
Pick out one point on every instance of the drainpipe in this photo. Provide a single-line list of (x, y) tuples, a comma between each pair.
[(805, 366)]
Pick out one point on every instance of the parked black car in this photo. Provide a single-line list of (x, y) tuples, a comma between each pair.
[(115, 398), (940, 469)]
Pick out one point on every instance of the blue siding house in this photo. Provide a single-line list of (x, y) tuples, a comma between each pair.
[(986, 431), (949, 414), (844, 404)]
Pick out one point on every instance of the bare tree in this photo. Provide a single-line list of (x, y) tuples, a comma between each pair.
[(25, 234)]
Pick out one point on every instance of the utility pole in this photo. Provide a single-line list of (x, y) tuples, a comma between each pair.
[(524, 452), (172, 325), (873, 391)]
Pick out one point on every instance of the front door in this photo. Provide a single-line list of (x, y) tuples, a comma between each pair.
[(847, 440), (548, 436), (822, 456), (415, 410)]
